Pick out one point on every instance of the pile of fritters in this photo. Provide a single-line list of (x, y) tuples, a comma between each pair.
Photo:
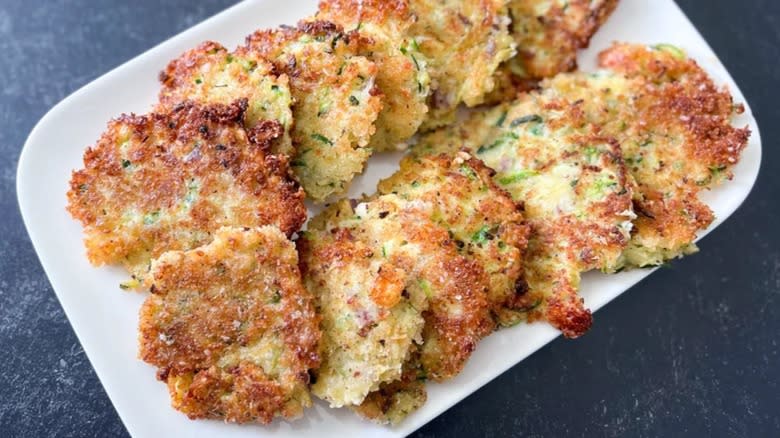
[(490, 221)]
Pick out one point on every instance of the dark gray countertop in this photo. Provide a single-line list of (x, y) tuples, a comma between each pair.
[(691, 351)]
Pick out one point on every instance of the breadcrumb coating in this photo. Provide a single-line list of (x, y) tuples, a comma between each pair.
[(387, 278), (402, 70), (168, 181), (574, 187), (549, 33), (210, 74), (483, 220), (336, 99), (464, 41), (674, 127), (231, 328)]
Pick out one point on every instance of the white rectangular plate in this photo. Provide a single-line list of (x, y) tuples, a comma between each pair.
[(105, 318)]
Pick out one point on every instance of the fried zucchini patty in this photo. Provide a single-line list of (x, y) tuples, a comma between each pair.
[(486, 226), (465, 41), (336, 101), (231, 328), (387, 277), (573, 184), (674, 127), (167, 181), (485, 223), (549, 33), (402, 73), (209, 74)]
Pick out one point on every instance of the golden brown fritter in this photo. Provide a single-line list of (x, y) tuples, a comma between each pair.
[(674, 127), (336, 101), (386, 277), (369, 323), (464, 41), (167, 181), (231, 328), (402, 70), (548, 33), (574, 187), (210, 74), (485, 223)]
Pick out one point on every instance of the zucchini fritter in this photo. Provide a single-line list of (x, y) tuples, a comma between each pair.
[(574, 187), (210, 74), (167, 181), (482, 218), (369, 323), (386, 277), (548, 35), (464, 41), (336, 101), (402, 70), (231, 327), (674, 127)]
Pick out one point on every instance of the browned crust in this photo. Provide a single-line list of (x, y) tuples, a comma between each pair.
[(515, 231), (178, 72), (314, 70), (186, 333), (269, 42), (449, 183), (254, 397), (564, 309), (561, 246), (338, 15), (342, 248), (593, 22), (661, 217), (177, 76), (161, 150), (562, 306), (563, 39), (688, 98), (449, 337), (456, 334), (679, 96), (375, 11)]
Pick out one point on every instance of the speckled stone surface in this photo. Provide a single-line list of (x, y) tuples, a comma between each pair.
[(691, 351)]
